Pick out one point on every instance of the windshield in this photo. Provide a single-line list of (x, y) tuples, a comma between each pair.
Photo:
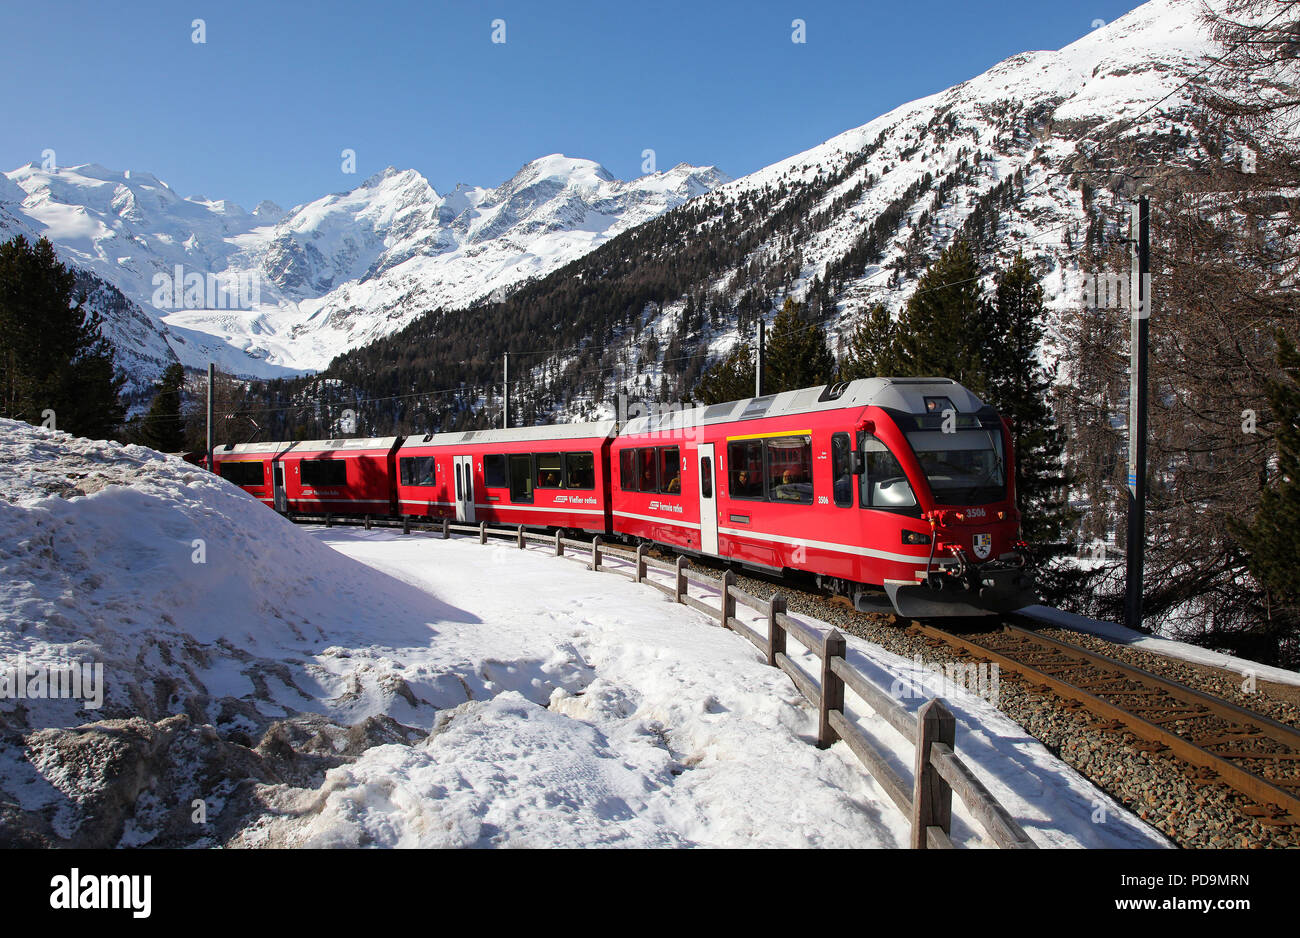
[(963, 468)]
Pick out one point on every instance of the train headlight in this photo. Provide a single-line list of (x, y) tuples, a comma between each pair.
[(914, 537)]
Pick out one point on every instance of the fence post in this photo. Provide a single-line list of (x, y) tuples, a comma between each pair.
[(931, 795), (833, 646), (406, 524), (367, 522), (640, 563), (681, 579), (727, 610), (482, 532), (559, 545), (521, 537), (329, 520), (775, 631), (445, 532), (595, 552)]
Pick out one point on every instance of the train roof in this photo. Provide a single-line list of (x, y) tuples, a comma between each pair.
[(329, 446), (555, 431), (307, 446), (268, 447), (904, 394)]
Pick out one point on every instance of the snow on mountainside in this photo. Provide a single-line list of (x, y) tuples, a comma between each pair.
[(1025, 115), (1019, 158), (272, 292)]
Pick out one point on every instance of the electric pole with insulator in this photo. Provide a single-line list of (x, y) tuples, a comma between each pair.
[(212, 371), (1139, 320)]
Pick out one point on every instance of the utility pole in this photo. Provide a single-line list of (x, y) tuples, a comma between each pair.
[(1139, 320), (505, 391), (758, 361), (212, 373)]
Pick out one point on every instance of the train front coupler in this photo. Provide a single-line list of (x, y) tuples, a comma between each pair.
[(959, 587)]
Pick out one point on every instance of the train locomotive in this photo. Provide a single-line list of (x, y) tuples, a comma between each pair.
[(893, 492)]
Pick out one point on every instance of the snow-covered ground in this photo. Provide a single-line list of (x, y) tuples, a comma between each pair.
[(618, 717), (1165, 646), (536, 702)]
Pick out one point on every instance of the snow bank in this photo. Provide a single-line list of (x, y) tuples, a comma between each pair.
[(1164, 646), (193, 597)]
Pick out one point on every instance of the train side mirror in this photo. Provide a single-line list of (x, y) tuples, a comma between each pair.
[(858, 462)]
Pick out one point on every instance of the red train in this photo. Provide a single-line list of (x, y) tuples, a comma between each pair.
[(897, 484)]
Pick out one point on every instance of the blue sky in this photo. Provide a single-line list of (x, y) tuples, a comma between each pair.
[(265, 106)]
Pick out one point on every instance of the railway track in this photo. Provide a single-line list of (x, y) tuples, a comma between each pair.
[(1222, 742)]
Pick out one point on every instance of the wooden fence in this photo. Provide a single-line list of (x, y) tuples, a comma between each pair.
[(939, 771)]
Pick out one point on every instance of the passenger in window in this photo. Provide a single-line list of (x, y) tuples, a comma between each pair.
[(674, 485), (793, 488)]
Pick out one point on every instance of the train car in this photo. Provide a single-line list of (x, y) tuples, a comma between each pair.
[(257, 468), (902, 484), (540, 477), (343, 477)]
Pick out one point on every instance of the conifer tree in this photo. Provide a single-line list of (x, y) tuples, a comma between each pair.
[(1015, 382), (939, 331), (871, 352), (796, 355), (732, 379), (162, 428), (52, 355)]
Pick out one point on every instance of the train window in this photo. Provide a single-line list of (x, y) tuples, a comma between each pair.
[(647, 470), (494, 471), (789, 469), (579, 471), (670, 470), (417, 470), (317, 472), (745, 465), (242, 473), (458, 496), (964, 467), (550, 472), (883, 485), (627, 470), (521, 477), (842, 470), (706, 477)]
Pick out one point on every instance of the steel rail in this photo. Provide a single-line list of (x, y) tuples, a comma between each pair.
[(1284, 804)]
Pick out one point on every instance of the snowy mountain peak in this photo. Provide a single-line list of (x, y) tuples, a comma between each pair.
[(328, 275)]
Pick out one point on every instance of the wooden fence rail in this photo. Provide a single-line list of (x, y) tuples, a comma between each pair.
[(939, 771)]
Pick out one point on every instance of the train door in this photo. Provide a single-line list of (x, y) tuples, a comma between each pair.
[(277, 487), (464, 470), (708, 500)]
